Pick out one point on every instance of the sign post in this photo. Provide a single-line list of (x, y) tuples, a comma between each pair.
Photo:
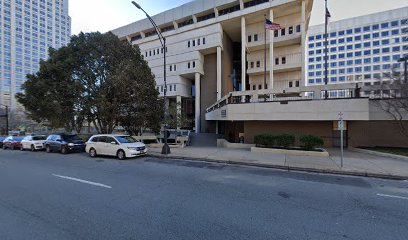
[(341, 127)]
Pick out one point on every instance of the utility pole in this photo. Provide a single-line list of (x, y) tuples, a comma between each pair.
[(7, 122), (327, 15)]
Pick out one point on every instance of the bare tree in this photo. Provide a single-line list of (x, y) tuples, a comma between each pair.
[(393, 98)]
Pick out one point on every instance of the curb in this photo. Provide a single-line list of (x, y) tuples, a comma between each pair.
[(379, 154), (287, 168)]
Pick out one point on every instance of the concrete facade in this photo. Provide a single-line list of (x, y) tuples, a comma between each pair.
[(222, 43)]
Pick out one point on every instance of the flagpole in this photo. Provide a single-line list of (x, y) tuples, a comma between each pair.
[(265, 55), (325, 49)]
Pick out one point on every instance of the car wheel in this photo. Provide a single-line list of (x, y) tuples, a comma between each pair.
[(47, 149), (64, 150), (92, 153), (32, 148), (121, 155)]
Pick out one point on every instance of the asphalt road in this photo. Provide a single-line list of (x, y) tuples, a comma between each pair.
[(52, 196)]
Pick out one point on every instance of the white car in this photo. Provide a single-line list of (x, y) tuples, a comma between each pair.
[(33, 143), (121, 146)]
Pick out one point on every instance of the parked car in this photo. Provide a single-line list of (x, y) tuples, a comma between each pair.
[(12, 142), (33, 143), (64, 143), (121, 146)]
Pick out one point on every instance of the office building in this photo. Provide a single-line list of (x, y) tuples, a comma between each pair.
[(28, 29), (360, 49)]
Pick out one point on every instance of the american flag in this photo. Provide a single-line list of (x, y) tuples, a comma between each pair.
[(328, 16), (272, 26)]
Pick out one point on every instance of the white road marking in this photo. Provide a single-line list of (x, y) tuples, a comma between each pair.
[(392, 196), (82, 181)]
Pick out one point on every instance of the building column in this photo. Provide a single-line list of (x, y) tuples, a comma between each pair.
[(243, 54), (271, 56), (219, 71), (178, 105), (303, 42), (197, 102)]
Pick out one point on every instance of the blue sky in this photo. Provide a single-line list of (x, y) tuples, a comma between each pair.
[(105, 15)]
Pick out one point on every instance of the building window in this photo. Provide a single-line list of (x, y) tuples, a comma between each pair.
[(290, 84), (198, 42), (277, 61), (255, 37), (290, 30), (276, 33), (204, 40), (260, 86), (252, 64), (298, 28), (283, 60), (297, 83), (193, 43), (171, 68), (193, 64), (283, 31), (258, 64), (188, 65), (250, 38), (254, 87)]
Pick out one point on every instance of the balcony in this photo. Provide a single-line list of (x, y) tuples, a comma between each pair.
[(282, 63)]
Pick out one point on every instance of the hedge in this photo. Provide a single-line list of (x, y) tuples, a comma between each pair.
[(310, 142), (265, 140), (285, 140)]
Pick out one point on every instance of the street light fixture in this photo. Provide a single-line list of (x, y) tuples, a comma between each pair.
[(162, 39)]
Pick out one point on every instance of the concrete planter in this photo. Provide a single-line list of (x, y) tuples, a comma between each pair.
[(222, 143), (292, 152)]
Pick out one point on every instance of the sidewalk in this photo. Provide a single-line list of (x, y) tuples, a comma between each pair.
[(355, 163)]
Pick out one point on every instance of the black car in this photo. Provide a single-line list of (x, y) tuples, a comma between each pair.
[(64, 143)]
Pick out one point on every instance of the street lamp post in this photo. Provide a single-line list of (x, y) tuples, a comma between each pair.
[(162, 39)]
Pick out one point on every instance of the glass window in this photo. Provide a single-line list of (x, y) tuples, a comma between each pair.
[(376, 43), (357, 54), (341, 33), (367, 52), (384, 25), (332, 42), (366, 36), (341, 40), (376, 35), (385, 33), (396, 49), (311, 45), (311, 38), (376, 51), (367, 68), (357, 30), (341, 55), (333, 34), (342, 71), (349, 31), (357, 61), (349, 39), (342, 78), (357, 46), (341, 48), (386, 58), (342, 63), (376, 67), (349, 47), (394, 23), (350, 54), (125, 139), (350, 70), (318, 36), (367, 60), (376, 59), (395, 32), (367, 28), (385, 50), (385, 42)]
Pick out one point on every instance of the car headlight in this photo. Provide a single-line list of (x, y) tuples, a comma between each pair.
[(132, 148), (71, 144)]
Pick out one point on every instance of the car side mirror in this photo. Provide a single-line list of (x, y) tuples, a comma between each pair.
[(113, 143)]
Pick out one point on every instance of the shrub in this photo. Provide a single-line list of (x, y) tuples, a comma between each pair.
[(265, 140), (285, 140), (310, 142)]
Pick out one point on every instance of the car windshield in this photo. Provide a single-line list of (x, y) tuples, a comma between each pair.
[(69, 138), (18, 138), (36, 138), (125, 139)]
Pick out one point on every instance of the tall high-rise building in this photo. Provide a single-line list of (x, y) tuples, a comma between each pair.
[(28, 29), (360, 49)]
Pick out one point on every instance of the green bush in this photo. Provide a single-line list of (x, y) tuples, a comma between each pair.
[(310, 142), (285, 140), (265, 140)]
